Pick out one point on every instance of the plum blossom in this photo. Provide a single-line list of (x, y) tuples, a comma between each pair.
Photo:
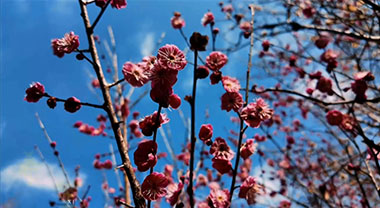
[(230, 84), (232, 101), (249, 189), (254, 113), (135, 75), (35, 92), (171, 57), (148, 124), (145, 155), (220, 149), (119, 4), (174, 101), (219, 198), (208, 18), (325, 85), (205, 133), (334, 117), (248, 148), (177, 21), (216, 60), (67, 44), (72, 104), (174, 191), (154, 186), (222, 165)]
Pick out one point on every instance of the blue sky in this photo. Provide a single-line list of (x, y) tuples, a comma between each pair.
[(27, 28)]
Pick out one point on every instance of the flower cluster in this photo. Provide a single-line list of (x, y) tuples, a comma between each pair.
[(161, 71)]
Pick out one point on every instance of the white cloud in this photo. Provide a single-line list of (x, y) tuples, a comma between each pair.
[(147, 45), (33, 173)]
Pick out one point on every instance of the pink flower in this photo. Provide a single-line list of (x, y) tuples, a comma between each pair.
[(254, 113), (72, 105), (348, 123), (148, 124), (208, 18), (154, 186), (248, 148), (174, 191), (135, 75), (205, 133), (249, 189), (162, 77), (222, 165), (221, 150), (184, 157), (230, 84), (232, 101), (177, 21), (334, 117), (145, 155), (216, 60), (171, 58), (67, 44), (246, 27), (219, 198), (35, 92), (119, 4), (228, 8), (330, 57)]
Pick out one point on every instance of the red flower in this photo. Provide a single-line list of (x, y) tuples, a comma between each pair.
[(205, 133), (177, 21), (246, 27), (135, 75), (230, 84), (248, 148), (222, 165), (154, 186), (216, 60), (147, 125), (232, 101), (249, 189), (219, 198), (174, 191), (215, 77), (145, 155), (285, 204), (162, 77), (208, 18), (107, 165), (325, 85), (254, 113), (202, 72), (323, 40), (35, 92), (119, 4), (221, 150), (174, 101), (334, 117), (265, 45), (66, 44), (72, 105), (171, 58)]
